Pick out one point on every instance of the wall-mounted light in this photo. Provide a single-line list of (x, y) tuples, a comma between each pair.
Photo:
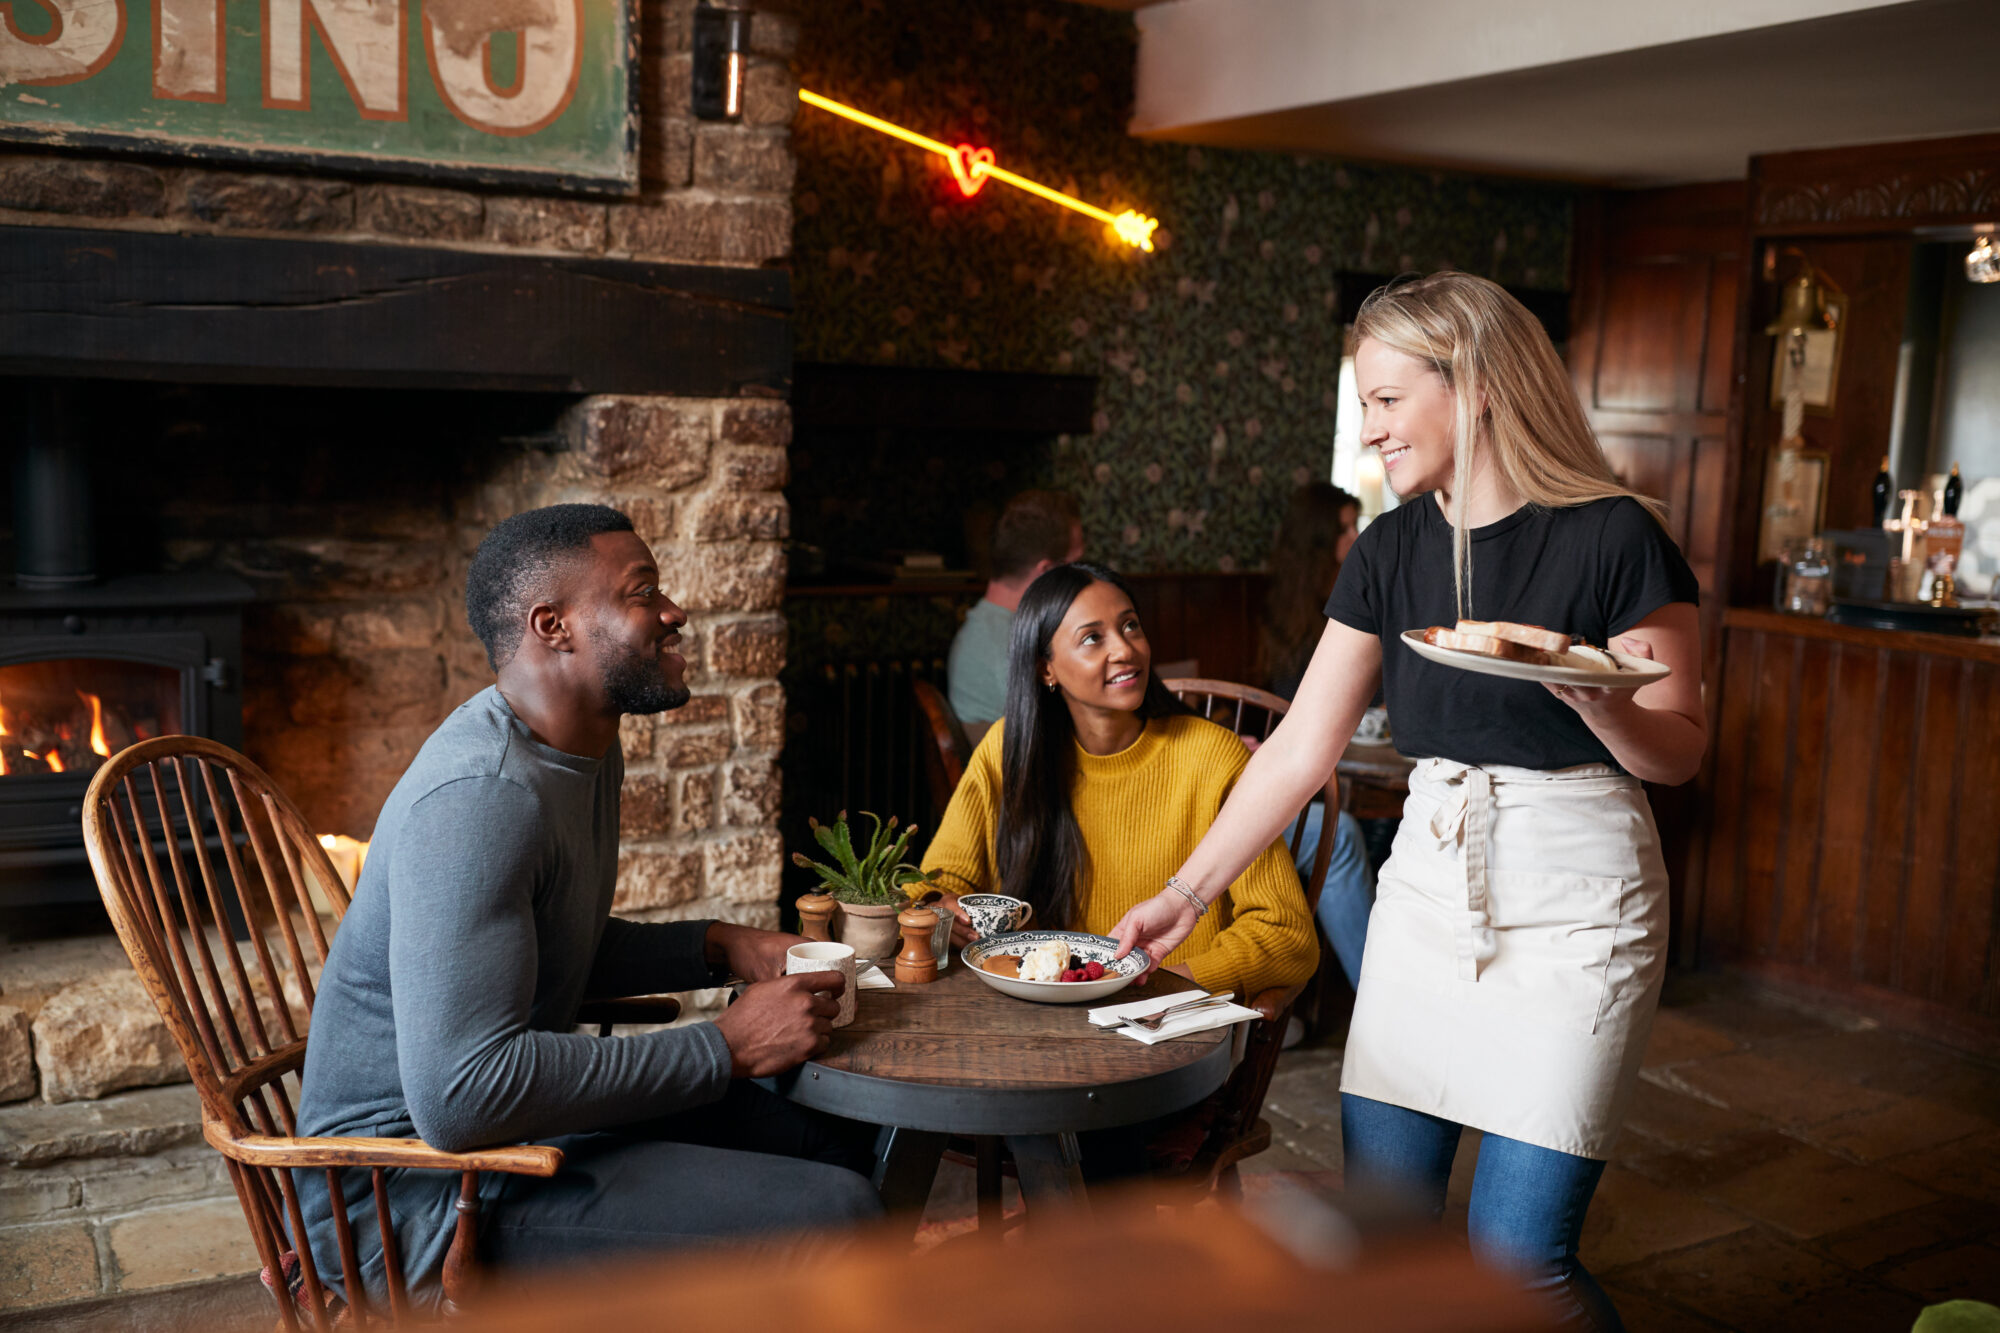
[(721, 42), (1982, 262)]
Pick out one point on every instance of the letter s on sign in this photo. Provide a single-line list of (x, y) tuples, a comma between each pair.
[(458, 35), (80, 39)]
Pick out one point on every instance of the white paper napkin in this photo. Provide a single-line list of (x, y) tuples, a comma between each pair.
[(1178, 1025), (870, 977)]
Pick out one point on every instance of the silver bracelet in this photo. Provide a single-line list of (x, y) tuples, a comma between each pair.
[(1200, 907)]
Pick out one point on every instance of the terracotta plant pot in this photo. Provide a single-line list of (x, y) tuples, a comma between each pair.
[(869, 929)]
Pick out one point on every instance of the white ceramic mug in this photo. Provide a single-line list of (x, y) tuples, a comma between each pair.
[(825, 956)]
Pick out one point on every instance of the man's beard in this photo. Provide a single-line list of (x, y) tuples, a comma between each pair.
[(636, 682)]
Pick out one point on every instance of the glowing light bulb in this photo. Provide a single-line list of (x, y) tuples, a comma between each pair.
[(1135, 229)]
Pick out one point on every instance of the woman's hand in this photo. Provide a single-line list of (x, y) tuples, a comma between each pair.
[(1156, 927), (1595, 700)]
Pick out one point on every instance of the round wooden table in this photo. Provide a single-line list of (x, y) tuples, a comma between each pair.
[(956, 1056)]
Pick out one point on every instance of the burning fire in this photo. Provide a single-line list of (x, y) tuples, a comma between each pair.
[(53, 759), (98, 745)]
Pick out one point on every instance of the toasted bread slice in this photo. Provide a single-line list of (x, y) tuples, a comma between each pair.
[(1484, 644), (1590, 659), (1529, 636)]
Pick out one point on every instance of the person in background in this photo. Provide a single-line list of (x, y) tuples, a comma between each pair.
[(1319, 527), (1037, 530)]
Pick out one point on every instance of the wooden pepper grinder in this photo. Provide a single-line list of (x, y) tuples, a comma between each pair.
[(816, 916), (916, 964)]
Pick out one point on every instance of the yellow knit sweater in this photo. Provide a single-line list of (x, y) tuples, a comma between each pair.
[(1141, 812)]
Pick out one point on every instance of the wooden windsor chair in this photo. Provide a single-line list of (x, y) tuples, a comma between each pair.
[(1239, 1129), (226, 904), (948, 753)]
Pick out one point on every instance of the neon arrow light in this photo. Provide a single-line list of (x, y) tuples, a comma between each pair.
[(972, 167)]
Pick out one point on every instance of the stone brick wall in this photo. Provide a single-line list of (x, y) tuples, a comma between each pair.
[(711, 194)]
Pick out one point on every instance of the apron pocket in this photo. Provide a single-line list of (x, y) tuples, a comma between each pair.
[(1552, 942)]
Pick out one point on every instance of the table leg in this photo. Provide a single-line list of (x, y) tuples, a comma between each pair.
[(1051, 1170), (989, 1185), (908, 1167)]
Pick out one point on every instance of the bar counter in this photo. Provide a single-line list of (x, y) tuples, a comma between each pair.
[(1853, 842)]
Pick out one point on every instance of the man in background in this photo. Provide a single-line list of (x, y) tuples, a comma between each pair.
[(1037, 531)]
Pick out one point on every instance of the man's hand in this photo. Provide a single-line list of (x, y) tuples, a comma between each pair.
[(775, 1025), (744, 951)]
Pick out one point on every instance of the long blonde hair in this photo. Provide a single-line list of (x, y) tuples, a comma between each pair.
[(1484, 343)]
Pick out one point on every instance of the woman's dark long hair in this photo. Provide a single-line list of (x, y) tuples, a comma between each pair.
[(1039, 847)]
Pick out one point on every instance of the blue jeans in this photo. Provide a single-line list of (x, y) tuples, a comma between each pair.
[(1349, 893), (1528, 1202)]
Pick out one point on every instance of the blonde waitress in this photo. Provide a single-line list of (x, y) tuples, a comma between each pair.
[(1518, 938)]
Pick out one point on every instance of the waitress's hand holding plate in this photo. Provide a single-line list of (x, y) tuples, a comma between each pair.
[(1587, 700)]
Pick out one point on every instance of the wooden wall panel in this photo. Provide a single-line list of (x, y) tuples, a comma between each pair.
[(1641, 302), (1844, 792), (1855, 845), (1652, 346), (1210, 617)]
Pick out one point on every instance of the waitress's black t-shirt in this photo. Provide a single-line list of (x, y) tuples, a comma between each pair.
[(1594, 569)]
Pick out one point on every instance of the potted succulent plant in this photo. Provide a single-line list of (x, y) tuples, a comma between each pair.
[(870, 887)]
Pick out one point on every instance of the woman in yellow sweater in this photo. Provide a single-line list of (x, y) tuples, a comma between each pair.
[(1098, 784)]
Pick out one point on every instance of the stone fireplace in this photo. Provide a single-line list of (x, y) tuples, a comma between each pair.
[(327, 389)]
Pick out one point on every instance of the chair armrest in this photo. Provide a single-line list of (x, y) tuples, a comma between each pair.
[(630, 1009), (517, 1159), (1271, 1004)]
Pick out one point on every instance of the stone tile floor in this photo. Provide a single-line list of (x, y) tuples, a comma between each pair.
[(1782, 1168)]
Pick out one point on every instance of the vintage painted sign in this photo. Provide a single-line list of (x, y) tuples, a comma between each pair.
[(536, 90)]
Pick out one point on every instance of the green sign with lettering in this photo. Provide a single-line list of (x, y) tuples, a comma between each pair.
[(529, 91)]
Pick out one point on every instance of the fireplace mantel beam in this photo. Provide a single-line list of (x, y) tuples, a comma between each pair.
[(234, 310)]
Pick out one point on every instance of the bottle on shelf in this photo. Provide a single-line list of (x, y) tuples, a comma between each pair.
[(1954, 491), (1884, 489)]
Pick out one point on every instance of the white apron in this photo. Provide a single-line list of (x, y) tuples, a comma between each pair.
[(1514, 954)]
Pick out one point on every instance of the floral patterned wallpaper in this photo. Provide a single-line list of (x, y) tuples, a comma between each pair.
[(1218, 355)]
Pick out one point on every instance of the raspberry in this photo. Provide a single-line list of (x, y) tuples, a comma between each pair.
[(1093, 970)]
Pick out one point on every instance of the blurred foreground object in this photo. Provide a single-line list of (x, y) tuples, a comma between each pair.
[(1125, 1265)]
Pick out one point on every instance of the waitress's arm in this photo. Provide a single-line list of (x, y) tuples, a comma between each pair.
[(1659, 733), (1283, 775)]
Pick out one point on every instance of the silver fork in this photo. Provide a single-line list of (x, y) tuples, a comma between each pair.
[(1153, 1022)]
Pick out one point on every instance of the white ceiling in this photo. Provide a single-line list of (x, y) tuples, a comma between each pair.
[(1617, 92)]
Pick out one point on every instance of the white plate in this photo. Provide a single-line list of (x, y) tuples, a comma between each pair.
[(1638, 670), (1119, 975)]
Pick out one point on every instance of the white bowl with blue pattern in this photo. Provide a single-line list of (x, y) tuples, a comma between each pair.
[(1083, 948)]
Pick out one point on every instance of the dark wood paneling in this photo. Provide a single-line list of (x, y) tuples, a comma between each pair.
[(1856, 841), (229, 309), (1641, 302), (1719, 343), (1652, 355), (1877, 187), (1209, 617)]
